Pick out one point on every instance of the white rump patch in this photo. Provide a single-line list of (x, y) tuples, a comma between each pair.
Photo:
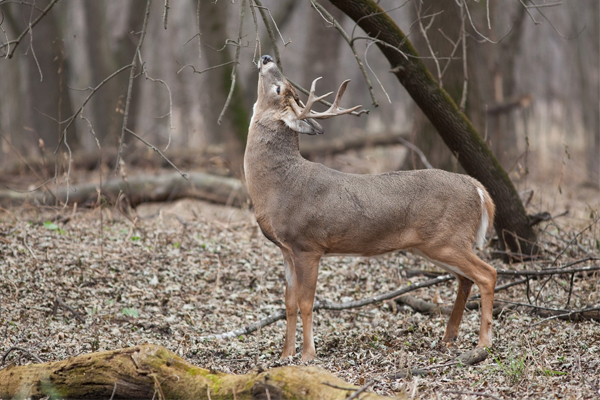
[(484, 222)]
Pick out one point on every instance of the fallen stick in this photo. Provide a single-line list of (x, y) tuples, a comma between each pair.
[(551, 271), (151, 371), (325, 305)]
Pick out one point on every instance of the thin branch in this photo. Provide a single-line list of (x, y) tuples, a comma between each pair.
[(463, 100), (183, 174), (257, 48), (170, 113), (362, 389), (10, 53), (325, 305), (133, 66), (373, 72), (270, 33), (573, 240), (71, 119), (206, 69), (166, 13), (416, 150), (566, 315), (329, 18), (58, 301), (491, 396), (464, 4), (198, 25), (424, 33), (235, 62), (29, 353), (550, 271)]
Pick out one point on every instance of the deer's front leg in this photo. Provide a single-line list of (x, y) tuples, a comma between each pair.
[(307, 269), (291, 305)]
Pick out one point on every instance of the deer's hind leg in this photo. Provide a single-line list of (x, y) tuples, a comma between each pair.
[(469, 269)]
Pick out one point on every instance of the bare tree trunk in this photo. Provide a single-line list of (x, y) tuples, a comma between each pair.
[(47, 77), (105, 117), (126, 42), (512, 223), (588, 64), (446, 24), (234, 126)]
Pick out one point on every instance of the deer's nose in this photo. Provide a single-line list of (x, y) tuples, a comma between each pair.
[(266, 59)]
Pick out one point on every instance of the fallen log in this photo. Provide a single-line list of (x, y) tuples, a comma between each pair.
[(140, 189), (151, 371)]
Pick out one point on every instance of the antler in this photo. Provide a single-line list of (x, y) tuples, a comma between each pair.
[(334, 110)]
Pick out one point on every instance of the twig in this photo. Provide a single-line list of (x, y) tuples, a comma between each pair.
[(373, 72), (325, 305), (565, 315), (183, 174), (235, 61), (362, 389), (574, 239), (416, 150), (472, 394), (343, 33), (551, 271), (60, 302), (166, 13), (9, 53), (424, 33), (463, 100), (270, 33), (170, 113), (133, 67), (36, 358), (206, 69)]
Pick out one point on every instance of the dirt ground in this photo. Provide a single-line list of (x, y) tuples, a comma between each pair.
[(171, 273)]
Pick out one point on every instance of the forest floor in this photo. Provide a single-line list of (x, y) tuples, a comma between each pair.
[(170, 273)]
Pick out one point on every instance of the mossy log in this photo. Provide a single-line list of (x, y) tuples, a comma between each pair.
[(151, 371)]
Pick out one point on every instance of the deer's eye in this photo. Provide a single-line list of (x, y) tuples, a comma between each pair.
[(278, 90)]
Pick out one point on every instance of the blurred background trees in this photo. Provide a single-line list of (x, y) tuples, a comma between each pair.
[(532, 92)]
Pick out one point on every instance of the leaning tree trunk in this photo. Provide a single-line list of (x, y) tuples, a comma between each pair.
[(512, 223), (151, 371)]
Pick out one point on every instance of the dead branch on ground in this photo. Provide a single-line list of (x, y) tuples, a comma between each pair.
[(222, 190), (326, 305)]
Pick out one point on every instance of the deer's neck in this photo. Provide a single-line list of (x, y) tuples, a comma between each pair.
[(272, 146), (272, 156)]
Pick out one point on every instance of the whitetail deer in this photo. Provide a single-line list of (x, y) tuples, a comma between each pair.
[(309, 210)]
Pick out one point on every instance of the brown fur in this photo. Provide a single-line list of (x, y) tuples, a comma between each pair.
[(309, 210)]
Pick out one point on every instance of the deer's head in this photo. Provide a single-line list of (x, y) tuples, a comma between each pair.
[(278, 98)]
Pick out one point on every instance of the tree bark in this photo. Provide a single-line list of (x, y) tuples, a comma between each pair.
[(145, 371), (512, 223)]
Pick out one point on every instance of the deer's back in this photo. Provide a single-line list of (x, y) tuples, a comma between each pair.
[(314, 206)]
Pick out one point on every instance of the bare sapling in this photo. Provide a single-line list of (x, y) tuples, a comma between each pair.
[(310, 211)]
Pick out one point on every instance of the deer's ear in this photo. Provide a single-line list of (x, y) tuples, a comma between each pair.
[(308, 126)]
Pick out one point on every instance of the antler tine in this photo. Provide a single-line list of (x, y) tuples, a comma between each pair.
[(312, 99), (335, 107), (306, 112)]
